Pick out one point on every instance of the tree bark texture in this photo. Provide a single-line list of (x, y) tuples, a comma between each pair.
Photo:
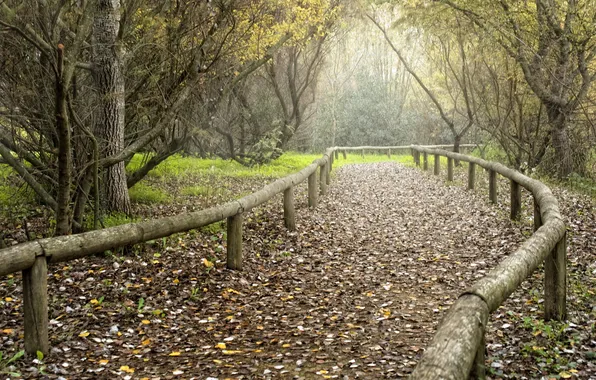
[(425, 161), (63, 214), (109, 128), (450, 169), (562, 146), (437, 164)]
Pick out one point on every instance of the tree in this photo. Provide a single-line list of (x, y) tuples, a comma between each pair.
[(457, 69), (552, 41), (108, 75), (93, 83)]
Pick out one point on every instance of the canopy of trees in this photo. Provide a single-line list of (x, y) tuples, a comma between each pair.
[(86, 85)]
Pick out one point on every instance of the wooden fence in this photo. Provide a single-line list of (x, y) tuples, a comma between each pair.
[(457, 349), (458, 343)]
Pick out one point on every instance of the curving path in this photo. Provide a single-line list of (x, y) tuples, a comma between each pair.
[(356, 291)]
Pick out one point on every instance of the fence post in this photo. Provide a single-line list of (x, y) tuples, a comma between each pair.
[(362, 153), (492, 186), (555, 278), (425, 161), (449, 169), (343, 152), (471, 176), (515, 200), (437, 164), (537, 216), (479, 365), (417, 157), (289, 214), (312, 190), (328, 176), (323, 178), (35, 307), (388, 153), (336, 154), (235, 242)]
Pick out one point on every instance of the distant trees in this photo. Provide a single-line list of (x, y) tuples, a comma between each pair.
[(520, 72), (86, 85), (552, 42)]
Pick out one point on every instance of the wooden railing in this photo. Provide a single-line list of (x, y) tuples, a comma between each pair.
[(457, 349), (32, 258), (458, 341)]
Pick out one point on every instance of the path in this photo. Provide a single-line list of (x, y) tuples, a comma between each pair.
[(357, 291)]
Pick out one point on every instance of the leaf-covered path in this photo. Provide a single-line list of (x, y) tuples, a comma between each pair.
[(356, 291)]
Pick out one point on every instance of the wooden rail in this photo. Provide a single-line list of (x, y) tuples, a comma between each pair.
[(32, 258), (457, 349), (452, 352)]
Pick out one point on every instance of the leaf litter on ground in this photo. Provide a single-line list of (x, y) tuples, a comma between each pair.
[(358, 291)]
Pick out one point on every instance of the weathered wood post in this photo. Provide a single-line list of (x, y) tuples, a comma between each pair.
[(555, 282), (362, 153), (515, 200), (328, 175), (471, 176), (492, 186), (336, 154), (313, 194), (323, 178), (329, 165), (389, 153), (235, 242), (537, 215), (35, 307), (479, 366), (425, 161), (437, 164), (343, 152), (289, 211), (449, 169), (417, 157)]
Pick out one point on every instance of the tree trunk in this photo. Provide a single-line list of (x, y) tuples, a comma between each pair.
[(109, 127), (64, 151), (561, 143)]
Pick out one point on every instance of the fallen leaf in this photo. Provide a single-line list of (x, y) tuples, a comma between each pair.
[(127, 369)]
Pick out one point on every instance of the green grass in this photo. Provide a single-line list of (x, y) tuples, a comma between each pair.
[(291, 162), (5, 171), (356, 158), (178, 166), (118, 219), (142, 193)]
